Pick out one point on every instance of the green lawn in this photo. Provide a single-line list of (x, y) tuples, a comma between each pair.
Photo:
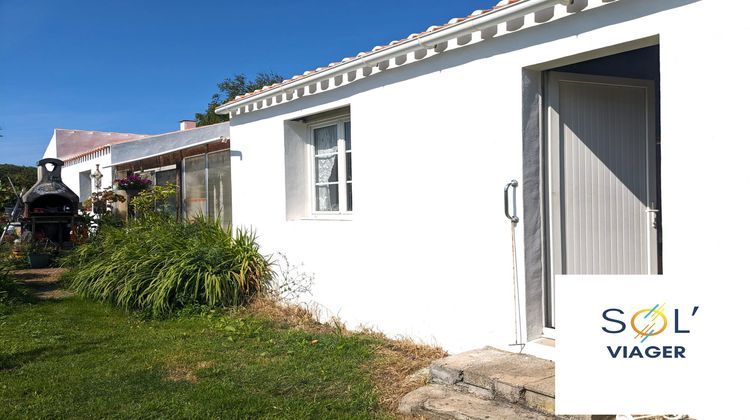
[(74, 358)]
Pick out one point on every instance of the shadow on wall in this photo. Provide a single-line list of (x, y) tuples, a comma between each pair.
[(606, 145)]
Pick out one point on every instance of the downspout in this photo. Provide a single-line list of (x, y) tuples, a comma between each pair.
[(516, 10)]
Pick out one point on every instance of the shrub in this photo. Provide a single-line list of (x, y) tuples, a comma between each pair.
[(153, 200), (156, 264)]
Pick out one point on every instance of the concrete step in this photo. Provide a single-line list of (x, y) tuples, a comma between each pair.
[(488, 384), (436, 401), (493, 374)]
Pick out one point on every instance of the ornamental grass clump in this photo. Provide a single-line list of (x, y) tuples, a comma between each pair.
[(157, 264)]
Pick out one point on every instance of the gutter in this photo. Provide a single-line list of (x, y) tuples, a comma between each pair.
[(513, 11)]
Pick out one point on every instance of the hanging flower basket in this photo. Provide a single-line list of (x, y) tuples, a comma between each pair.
[(133, 184)]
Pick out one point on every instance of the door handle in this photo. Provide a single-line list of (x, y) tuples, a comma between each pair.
[(514, 184), (654, 214)]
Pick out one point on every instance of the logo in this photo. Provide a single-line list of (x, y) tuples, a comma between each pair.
[(646, 322), (654, 322)]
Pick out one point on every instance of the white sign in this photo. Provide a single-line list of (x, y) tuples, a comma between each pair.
[(631, 345)]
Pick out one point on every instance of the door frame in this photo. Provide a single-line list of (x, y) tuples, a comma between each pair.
[(534, 172), (550, 179)]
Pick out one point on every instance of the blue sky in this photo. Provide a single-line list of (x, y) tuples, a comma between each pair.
[(141, 66)]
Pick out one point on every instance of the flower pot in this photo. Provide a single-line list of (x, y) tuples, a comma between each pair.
[(38, 260), (132, 192)]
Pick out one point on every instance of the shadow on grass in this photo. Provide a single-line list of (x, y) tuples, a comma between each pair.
[(38, 285), (10, 361), (15, 360), (26, 275)]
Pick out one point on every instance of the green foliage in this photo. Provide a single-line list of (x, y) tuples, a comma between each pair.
[(8, 198), (102, 202), (153, 200), (156, 264), (102, 205), (23, 177), (228, 89), (9, 261)]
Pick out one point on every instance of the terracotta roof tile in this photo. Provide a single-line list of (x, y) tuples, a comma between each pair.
[(73, 143)]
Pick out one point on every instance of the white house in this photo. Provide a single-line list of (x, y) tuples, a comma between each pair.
[(384, 173), (196, 159), (83, 151)]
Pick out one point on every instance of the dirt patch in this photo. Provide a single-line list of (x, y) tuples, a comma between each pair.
[(186, 373), (43, 282), (400, 366)]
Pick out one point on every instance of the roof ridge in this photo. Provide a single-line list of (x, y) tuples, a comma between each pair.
[(103, 132)]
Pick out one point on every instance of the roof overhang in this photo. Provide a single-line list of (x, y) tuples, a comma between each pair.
[(480, 26), (167, 143)]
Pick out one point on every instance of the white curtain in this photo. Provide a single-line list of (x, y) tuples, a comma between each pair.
[(326, 162)]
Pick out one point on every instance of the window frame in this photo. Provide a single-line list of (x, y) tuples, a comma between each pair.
[(342, 181), (151, 172), (183, 182)]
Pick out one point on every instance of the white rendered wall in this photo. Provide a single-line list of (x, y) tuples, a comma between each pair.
[(51, 150), (71, 172), (427, 252)]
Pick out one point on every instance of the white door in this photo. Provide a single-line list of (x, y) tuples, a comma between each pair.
[(602, 177)]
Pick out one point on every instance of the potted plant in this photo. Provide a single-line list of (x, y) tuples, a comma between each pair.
[(38, 252), (102, 202), (133, 184)]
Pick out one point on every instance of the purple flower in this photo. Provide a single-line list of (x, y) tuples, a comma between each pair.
[(133, 182)]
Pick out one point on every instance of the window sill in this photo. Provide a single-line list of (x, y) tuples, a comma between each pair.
[(328, 217)]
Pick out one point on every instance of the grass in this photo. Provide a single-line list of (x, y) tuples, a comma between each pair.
[(12, 292), (73, 358)]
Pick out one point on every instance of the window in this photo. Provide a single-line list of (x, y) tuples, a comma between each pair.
[(219, 179), (207, 186), (331, 151), (84, 182), (195, 186), (161, 177)]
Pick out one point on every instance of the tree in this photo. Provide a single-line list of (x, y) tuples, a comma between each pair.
[(23, 178), (228, 89)]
